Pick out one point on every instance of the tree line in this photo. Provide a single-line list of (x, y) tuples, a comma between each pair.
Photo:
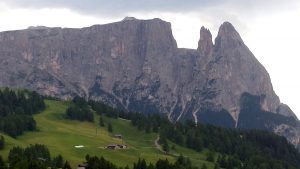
[(38, 157), (244, 149), (79, 110), (33, 157), (101, 163), (16, 110)]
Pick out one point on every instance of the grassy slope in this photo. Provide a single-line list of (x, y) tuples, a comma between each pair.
[(61, 135)]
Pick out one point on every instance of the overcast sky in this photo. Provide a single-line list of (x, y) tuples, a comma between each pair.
[(270, 28)]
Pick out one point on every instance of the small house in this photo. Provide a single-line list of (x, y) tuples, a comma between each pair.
[(116, 146), (118, 136), (113, 146), (122, 146), (41, 159), (82, 166)]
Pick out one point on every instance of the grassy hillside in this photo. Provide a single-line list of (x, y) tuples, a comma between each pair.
[(61, 135)]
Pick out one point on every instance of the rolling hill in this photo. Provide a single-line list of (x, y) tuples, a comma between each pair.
[(61, 136)]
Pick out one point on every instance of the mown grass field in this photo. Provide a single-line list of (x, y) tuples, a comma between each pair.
[(61, 135)]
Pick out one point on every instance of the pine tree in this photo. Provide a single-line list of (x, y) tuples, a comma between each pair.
[(165, 146), (2, 143), (101, 121), (148, 128), (210, 157), (110, 128), (58, 162), (66, 165), (151, 166), (2, 164), (223, 162), (217, 166), (141, 164), (204, 166)]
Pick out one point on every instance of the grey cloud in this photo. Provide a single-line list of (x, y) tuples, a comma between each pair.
[(110, 8), (116, 7)]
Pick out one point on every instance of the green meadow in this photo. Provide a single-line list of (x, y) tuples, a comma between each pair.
[(61, 136)]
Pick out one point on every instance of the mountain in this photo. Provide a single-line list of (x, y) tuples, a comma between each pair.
[(136, 65)]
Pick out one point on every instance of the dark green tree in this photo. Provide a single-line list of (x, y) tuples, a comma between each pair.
[(2, 142), (222, 162), (79, 110), (204, 166), (16, 110), (210, 156), (2, 163), (163, 164), (32, 157), (58, 162), (101, 121), (67, 165), (165, 146), (141, 164), (217, 166), (110, 128), (148, 128)]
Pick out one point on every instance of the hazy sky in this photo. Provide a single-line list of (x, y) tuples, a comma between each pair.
[(270, 28)]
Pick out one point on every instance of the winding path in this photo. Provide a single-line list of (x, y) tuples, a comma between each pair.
[(157, 144)]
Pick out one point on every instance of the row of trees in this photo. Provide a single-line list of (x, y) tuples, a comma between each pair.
[(102, 108), (149, 123), (102, 124), (15, 125), (252, 148), (79, 110), (33, 157), (16, 110), (20, 102), (38, 156), (101, 163)]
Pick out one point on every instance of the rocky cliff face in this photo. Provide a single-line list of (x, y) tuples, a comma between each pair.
[(136, 65), (234, 70)]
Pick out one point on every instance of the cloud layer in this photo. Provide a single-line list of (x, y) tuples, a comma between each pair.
[(112, 8)]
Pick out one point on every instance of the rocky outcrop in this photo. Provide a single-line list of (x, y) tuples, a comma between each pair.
[(235, 70), (136, 65), (205, 44)]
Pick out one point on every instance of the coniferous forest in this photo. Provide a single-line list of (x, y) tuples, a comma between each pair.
[(16, 110), (33, 157), (79, 110)]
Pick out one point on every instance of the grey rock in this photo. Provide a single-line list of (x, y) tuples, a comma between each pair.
[(128, 18), (136, 65), (285, 110), (235, 70), (205, 44)]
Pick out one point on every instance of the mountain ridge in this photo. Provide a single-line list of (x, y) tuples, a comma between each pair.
[(136, 65)]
